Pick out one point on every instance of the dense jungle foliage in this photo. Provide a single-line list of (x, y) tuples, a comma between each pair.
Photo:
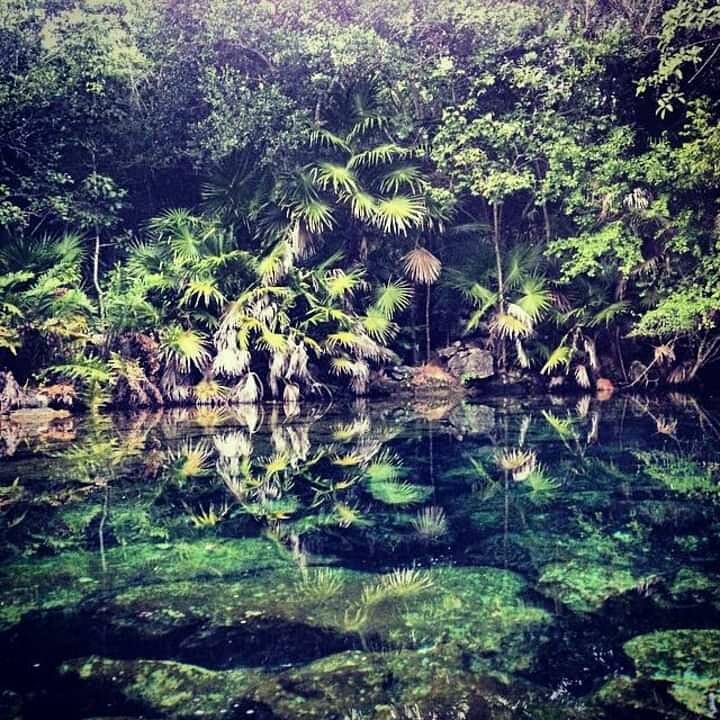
[(207, 200)]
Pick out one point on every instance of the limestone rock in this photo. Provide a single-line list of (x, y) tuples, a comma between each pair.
[(471, 364)]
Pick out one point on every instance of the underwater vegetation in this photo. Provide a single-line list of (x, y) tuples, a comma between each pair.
[(689, 660), (367, 563)]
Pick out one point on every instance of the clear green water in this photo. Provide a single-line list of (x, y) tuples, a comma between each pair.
[(515, 559)]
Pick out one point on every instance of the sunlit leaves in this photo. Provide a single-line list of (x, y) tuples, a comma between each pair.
[(399, 214), (327, 139), (184, 347), (202, 290), (384, 153), (558, 358), (339, 178), (403, 176), (509, 325), (363, 205), (395, 492), (393, 297), (340, 283), (316, 214), (378, 325), (535, 298)]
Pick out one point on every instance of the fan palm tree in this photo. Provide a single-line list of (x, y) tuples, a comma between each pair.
[(513, 316), (423, 268)]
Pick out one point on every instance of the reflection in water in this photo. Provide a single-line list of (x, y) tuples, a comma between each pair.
[(518, 558)]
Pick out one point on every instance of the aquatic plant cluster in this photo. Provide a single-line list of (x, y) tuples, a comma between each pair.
[(518, 559)]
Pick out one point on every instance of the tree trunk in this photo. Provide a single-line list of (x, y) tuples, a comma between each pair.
[(96, 274), (414, 329), (427, 323), (500, 279)]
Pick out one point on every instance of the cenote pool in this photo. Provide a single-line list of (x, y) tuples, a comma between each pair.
[(532, 558)]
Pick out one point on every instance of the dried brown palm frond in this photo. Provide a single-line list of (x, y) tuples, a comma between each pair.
[(230, 360), (636, 200), (582, 377), (594, 429), (248, 389), (679, 375), (523, 359), (300, 240), (591, 352), (421, 266), (666, 426), (582, 407), (664, 353), (278, 365), (291, 395), (174, 385), (297, 361)]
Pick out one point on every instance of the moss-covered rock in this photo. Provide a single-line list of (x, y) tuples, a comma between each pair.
[(628, 697), (586, 567), (347, 685), (689, 660), (690, 586), (479, 609), (63, 580)]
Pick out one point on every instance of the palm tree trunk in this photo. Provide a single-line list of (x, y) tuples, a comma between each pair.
[(500, 278), (96, 274), (414, 330), (427, 323)]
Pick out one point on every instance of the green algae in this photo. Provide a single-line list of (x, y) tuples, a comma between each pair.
[(591, 566), (479, 610), (356, 683), (585, 587), (691, 586), (64, 580), (681, 474), (687, 659)]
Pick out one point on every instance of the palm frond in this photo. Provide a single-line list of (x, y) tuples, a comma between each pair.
[(363, 205), (324, 138), (378, 325), (384, 153), (203, 290), (338, 177), (400, 213), (392, 297), (184, 347), (609, 313), (535, 298), (559, 356), (403, 176), (340, 283), (421, 266), (508, 325)]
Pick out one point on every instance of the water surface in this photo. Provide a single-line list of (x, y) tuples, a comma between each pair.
[(534, 558)]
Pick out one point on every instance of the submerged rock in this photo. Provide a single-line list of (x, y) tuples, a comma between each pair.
[(479, 609), (64, 580), (354, 685), (472, 419), (687, 659)]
